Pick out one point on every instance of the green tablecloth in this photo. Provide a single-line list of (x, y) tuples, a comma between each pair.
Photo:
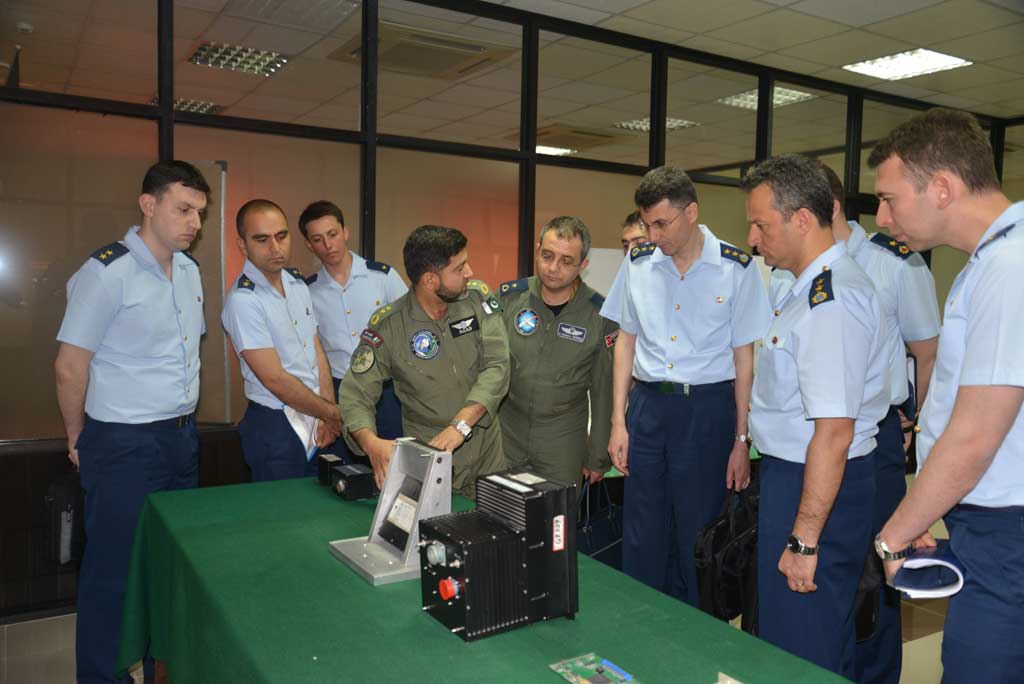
[(236, 584)]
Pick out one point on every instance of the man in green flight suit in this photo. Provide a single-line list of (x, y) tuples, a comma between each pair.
[(561, 349), (443, 344)]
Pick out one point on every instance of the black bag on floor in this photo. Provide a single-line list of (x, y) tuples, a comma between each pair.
[(869, 596), (726, 560), (599, 526), (65, 504)]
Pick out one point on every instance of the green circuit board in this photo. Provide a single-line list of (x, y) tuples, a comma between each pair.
[(592, 669)]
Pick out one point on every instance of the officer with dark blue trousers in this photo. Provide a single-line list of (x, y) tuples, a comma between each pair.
[(127, 384), (689, 307), (936, 184), (346, 291), (268, 315), (820, 390), (906, 292)]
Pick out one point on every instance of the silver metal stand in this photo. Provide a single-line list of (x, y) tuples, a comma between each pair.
[(373, 557)]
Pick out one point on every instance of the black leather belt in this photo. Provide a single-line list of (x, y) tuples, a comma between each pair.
[(685, 389), (179, 422)]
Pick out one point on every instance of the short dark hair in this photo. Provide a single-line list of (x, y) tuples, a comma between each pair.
[(665, 182), (836, 185), (430, 249), (633, 219), (163, 175), (318, 210), (796, 182), (568, 227), (941, 140), (252, 206)]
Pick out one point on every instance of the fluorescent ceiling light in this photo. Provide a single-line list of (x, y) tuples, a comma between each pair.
[(645, 124), (238, 58), (907, 65), (555, 151), (197, 106), (781, 97)]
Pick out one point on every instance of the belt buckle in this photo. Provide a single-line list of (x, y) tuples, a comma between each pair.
[(686, 389), (181, 421)]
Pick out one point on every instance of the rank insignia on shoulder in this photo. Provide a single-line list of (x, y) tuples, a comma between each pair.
[(643, 250), (109, 253), (737, 255), (312, 279), (191, 258), (479, 285), (892, 245), (521, 285), (296, 273), (380, 314), (821, 290), (245, 283), (378, 266), (597, 300), (993, 237)]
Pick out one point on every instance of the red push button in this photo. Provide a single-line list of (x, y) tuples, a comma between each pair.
[(448, 588)]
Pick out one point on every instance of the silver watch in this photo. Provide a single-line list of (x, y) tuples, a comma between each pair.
[(743, 438), (883, 551), (463, 428)]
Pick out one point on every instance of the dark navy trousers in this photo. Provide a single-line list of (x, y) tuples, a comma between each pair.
[(120, 464), (879, 660), (271, 447), (679, 446), (818, 626), (984, 632)]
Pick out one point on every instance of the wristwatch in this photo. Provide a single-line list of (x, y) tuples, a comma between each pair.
[(797, 546), (743, 438), (882, 549), (463, 428)]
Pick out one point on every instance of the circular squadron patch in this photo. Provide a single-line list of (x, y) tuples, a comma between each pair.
[(363, 359), (425, 344), (527, 321)]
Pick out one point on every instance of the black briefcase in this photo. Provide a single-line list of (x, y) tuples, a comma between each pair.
[(65, 504), (599, 525), (726, 560)]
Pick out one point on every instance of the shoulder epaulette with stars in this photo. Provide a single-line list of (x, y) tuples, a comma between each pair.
[(821, 290), (521, 285), (597, 300), (892, 245), (642, 251), (995, 236), (490, 304), (312, 279), (296, 273), (378, 266), (380, 314), (245, 283), (107, 254), (737, 255), (189, 255)]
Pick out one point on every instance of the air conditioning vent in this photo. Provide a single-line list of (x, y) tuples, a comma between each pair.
[(426, 53), (572, 137)]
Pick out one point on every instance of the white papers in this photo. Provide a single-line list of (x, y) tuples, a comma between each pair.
[(930, 573), (305, 427)]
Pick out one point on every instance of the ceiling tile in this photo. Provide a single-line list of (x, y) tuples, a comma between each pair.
[(850, 77), (48, 26), (779, 29), (1009, 63), (781, 61), (434, 109), (634, 76), (394, 83), (708, 87), (495, 117), (721, 47), (277, 105), (635, 27), (613, 6), (477, 97), (562, 10), (698, 16), (229, 30), (186, 72), (847, 48), (862, 12), (190, 23), (426, 10), (987, 45), (964, 77), (571, 62), (585, 92), (509, 80), (954, 101), (277, 39), (994, 92), (224, 98), (126, 13), (114, 81), (1015, 5), (944, 22), (416, 123), (421, 22), (904, 88), (209, 5)]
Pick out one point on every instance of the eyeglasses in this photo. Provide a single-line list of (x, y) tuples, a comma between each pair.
[(662, 224)]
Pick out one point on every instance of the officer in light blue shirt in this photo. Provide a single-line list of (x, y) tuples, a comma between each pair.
[(821, 388), (346, 291), (936, 184), (127, 384), (689, 307), (268, 315)]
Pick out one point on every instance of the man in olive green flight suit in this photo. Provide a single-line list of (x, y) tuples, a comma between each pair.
[(443, 344), (561, 349)]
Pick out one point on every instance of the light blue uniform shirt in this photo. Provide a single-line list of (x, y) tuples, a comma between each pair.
[(256, 316), (821, 360), (142, 328), (982, 343), (906, 293), (686, 325), (344, 310)]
